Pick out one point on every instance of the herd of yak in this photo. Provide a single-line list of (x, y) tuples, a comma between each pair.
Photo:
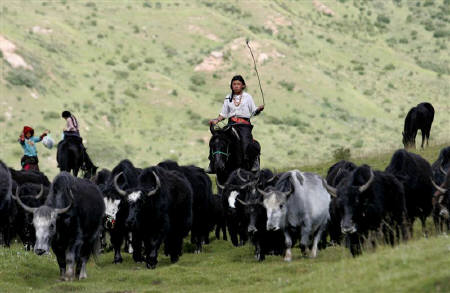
[(146, 208), (159, 206)]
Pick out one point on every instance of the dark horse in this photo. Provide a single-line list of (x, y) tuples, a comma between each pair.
[(226, 154), (419, 117), (72, 156)]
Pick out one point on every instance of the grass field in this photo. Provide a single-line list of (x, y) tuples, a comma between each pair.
[(421, 265)]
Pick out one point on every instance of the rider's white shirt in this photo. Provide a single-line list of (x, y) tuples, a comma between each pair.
[(245, 109)]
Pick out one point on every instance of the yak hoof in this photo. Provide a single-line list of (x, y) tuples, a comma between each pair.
[(117, 260), (288, 255), (174, 259)]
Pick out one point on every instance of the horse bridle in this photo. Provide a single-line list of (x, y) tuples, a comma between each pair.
[(227, 154)]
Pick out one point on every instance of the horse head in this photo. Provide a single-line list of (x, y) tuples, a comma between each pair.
[(221, 146)]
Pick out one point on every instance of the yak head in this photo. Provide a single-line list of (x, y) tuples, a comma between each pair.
[(441, 198), (352, 196), (136, 197), (44, 222), (274, 201)]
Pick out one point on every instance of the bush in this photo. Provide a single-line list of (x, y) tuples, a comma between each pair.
[(441, 33), (121, 74), (130, 93), (22, 77), (389, 67), (198, 80), (383, 19), (170, 51), (133, 66), (289, 86), (51, 115), (341, 153), (149, 60), (110, 62)]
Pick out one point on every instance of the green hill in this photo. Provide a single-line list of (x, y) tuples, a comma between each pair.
[(143, 77)]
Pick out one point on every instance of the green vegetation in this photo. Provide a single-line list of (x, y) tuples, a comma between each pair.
[(143, 66)]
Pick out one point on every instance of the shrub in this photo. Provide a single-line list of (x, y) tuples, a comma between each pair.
[(341, 153), (383, 19), (289, 86), (441, 33), (170, 51), (121, 74), (133, 66), (22, 77), (130, 93), (110, 62), (389, 67), (149, 60), (198, 80)]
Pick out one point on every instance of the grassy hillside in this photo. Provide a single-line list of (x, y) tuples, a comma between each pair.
[(420, 265), (143, 77)]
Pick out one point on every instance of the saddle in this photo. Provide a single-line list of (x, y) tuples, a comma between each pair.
[(73, 139)]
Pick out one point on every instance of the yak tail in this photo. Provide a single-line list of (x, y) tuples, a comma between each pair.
[(96, 247)]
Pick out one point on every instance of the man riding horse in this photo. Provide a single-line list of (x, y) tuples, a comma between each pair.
[(238, 107)]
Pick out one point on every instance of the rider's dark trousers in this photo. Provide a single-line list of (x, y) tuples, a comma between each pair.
[(245, 133)]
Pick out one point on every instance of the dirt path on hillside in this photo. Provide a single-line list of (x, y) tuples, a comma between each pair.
[(8, 49)]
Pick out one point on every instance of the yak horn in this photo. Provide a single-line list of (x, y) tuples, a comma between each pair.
[(40, 192), (62, 211), (220, 186), (116, 185), (241, 201), (331, 190), (442, 170), (239, 175), (263, 192), (241, 187), (291, 189), (364, 187), (438, 188), (25, 207), (158, 185)]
